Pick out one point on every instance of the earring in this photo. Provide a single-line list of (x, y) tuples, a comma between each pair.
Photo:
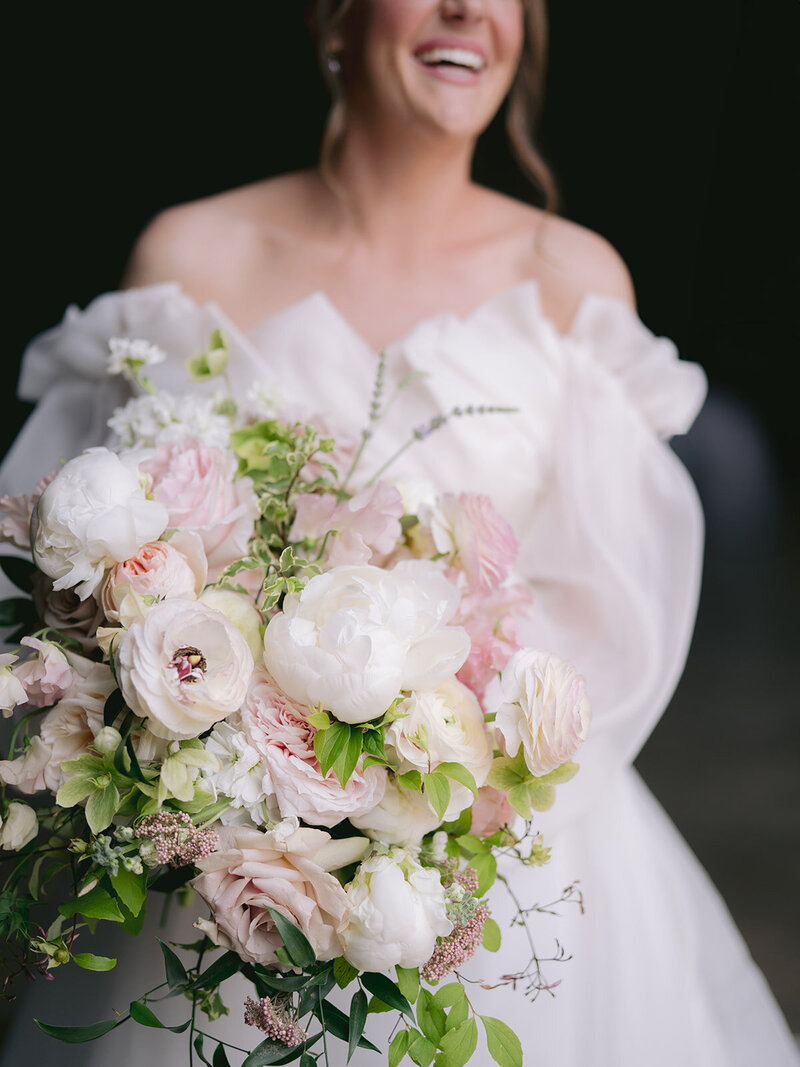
[(334, 66)]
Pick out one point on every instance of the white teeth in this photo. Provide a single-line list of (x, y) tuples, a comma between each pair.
[(459, 57)]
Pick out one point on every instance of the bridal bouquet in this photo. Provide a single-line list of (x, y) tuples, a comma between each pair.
[(308, 705)]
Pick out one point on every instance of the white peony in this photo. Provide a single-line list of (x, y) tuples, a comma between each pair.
[(19, 826), (402, 817), (443, 725), (545, 709), (397, 911), (92, 515), (183, 667), (355, 636)]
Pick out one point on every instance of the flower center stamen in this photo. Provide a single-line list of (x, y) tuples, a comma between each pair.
[(189, 663)]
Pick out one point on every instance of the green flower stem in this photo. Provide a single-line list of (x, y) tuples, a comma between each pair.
[(226, 1044), (200, 955)]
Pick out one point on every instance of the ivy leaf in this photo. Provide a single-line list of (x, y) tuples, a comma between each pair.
[(459, 774), (504, 1045), (459, 1044), (437, 790), (294, 940), (387, 991), (492, 937), (76, 1035), (90, 962), (358, 1020)]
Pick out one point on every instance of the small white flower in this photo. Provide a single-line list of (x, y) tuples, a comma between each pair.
[(128, 356), (12, 691), (240, 775), (146, 421), (262, 401), (19, 827)]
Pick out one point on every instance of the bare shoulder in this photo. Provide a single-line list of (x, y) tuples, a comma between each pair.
[(206, 244), (586, 261)]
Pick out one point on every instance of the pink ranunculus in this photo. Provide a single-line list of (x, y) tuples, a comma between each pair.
[(15, 528), (477, 539), (197, 484), (278, 729), (251, 871), (490, 812), (367, 526), (174, 568), (46, 676), (491, 622)]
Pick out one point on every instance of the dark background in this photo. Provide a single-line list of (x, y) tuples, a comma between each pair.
[(669, 127)]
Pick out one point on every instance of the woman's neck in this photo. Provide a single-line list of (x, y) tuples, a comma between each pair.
[(404, 192)]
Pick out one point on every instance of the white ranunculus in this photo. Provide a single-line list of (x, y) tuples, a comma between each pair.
[(242, 613), (183, 667), (19, 826), (397, 911), (355, 636), (12, 691), (545, 709), (402, 817), (443, 725), (92, 515)]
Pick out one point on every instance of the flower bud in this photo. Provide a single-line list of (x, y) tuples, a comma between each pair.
[(107, 741)]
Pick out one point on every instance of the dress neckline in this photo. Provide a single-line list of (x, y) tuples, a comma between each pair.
[(527, 291)]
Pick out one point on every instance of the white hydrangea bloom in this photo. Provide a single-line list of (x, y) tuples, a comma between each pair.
[(240, 776)]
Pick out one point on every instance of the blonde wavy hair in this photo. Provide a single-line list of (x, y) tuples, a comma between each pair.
[(523, 107)]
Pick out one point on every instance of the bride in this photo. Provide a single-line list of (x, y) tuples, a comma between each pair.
[(389, 245)]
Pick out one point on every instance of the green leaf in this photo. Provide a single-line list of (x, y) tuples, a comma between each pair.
[(564, 773), (337, 1023), (140, 1013), (387, 991), (459, 774), (399, 1047), (76, 1035), (430, 1017), (174, 970), (460, 826), (408, 982), (502, 775), (542, 796), (504, 1045), (486, 866), (295, 941), (421, 1051), (320, 720), (358, 1020), (131, 889), (458, 1044), (450, 994), (90, 962), (492, 938), (343, 972), (96, 904), (374, 742), (472, 845), (112, 708), (437, 790), (330, 744), (227, 964), (220, 1057), (457, 1015), (410, 780), (307, 1060), (377, 1006), (520, 800), (73, 791), (101, 807), (271, 1052), (346, 762), (14, 610), (20, 572)]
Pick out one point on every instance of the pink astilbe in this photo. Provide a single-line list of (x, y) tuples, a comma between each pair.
[(275, 1020), (176, 838), (458, 947)]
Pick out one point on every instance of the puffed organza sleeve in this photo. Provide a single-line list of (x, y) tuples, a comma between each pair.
[(615, 549)]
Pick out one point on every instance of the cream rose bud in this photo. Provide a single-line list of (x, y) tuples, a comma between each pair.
[(183, 667), (92, 515), (19, 826), (355, 636), (402, 817), (443, 725), (544, 709), (174, 568), (242, 613), (397, 911)]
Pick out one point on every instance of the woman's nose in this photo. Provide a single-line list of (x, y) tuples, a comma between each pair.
[(462, 9)]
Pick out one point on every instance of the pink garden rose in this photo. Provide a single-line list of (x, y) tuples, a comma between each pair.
[(288, 871), (197, 484), (478, 541), (174, 568), (491, 622), (367, 526), (46, 676), (490, 812), (277, 728)]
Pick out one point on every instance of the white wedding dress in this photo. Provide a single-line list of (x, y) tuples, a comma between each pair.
[(611, 541)]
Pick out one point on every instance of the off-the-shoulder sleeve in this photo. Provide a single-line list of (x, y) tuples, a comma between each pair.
[(615, 548)]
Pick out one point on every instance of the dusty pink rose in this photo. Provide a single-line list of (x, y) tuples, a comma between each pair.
[(286, 870), (67, 730), (491, 622), (277, 728), (367, 526), (490, 812), (46, 676), (66, 612), (197, 484), (477, 540), (174, 568), (15, 527)]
